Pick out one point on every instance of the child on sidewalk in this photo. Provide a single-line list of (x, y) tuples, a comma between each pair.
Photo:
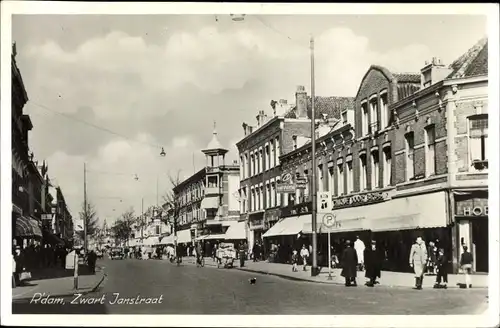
[(466, 261), (295, 260), (442, 273)]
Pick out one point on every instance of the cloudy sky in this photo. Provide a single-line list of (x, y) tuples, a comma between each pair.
[(163, 80)]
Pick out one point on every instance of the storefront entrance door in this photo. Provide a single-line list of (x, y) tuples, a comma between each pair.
[(480, 240)]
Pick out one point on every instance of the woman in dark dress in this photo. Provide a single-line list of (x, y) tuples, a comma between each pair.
[(373, 264), (349, 265)]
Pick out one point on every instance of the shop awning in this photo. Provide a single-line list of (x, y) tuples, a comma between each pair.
[(52, 239), (212, 237), (415, 212), (151, 241), (168, 240), (213, 222), (27, 227), (184, 236), (288, 226), (236, 231), (356, 224), (210, 203)]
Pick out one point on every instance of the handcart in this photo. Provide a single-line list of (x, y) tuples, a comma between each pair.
[(225, 255)]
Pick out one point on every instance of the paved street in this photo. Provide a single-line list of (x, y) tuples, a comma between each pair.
[(190, 290)]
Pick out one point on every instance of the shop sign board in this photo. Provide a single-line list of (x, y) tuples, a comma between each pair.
[(475, 211), (46, 217), (355, 200), (472, 207), (286, 184)]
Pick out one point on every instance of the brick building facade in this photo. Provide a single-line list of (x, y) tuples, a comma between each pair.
[(414, 163), (260, 151)]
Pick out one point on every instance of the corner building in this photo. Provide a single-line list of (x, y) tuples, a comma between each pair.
[(414, 164), (208, 202)]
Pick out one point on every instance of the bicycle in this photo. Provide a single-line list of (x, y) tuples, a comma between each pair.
[(200, 262)]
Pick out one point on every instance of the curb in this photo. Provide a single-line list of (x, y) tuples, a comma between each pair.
[(83, 292), (284, 276), (329, 283)]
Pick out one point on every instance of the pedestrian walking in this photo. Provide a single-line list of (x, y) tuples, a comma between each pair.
[(418, 260), (304, 254), (255, 252), (432, 258), (19, 258), (466, 261), (295, 260), (241, 254), (91, 261), (349, 265), (373, 264), (441, 269), (359, 246)]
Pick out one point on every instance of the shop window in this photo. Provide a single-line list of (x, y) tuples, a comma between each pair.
[(478, 141), (430, 151), (409, 152)]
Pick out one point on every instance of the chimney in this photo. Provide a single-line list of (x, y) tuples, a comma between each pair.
[(433, 72), (301, 102), (245, 128)]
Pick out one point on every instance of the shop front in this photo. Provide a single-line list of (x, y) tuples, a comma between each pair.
[(256, 227), (393, 223), (471, 217)]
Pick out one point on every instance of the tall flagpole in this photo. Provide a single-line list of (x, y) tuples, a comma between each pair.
[(314, 267)]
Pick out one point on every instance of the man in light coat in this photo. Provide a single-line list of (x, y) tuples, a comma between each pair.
[(359, 246), (418, 260)]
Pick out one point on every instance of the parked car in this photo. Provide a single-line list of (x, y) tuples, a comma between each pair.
[(116, 254)]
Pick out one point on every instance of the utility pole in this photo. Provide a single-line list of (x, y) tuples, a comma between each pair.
[(142, 219), (314, 267), (85, 213)]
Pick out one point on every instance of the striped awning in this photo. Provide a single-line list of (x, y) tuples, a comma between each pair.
[(27, 227)]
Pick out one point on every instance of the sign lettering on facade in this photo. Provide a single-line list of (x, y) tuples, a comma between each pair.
[(360, 199), (475, 211)]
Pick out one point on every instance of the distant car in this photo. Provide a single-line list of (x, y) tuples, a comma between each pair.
[(116, 254)]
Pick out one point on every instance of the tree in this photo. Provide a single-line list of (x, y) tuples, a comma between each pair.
[(122, 228), (171, 204), (88, 216)]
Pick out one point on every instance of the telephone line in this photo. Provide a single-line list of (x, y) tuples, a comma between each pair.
[(92, 125)]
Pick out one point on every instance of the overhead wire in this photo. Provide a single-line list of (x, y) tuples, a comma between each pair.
[(92, 125)]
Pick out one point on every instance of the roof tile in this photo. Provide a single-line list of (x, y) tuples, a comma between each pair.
[(473, 62), (332, 106)]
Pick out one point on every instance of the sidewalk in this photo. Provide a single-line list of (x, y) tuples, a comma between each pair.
[(57, 282), (388, 279)]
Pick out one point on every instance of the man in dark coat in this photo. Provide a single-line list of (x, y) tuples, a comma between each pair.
[(373, 264), (349, 265), (91, 260), (20, 265)]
